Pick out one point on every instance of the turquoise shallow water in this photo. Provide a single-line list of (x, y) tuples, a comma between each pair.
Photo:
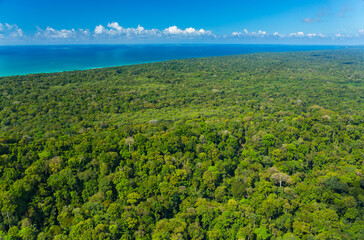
[(19, 60)]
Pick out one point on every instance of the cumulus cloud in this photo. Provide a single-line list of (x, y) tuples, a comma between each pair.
[(236, 34), (306, 35), (115, 26), (174, 30), (10, 31), (51, 33), (281, 36), (247, 34), (99, 29), (297, 34), (115, 30)]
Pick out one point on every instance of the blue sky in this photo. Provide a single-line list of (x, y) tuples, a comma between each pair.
[(228, 21)]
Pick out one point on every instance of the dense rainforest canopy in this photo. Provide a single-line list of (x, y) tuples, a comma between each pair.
[(259, 146)]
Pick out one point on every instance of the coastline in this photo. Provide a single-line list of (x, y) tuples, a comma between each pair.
[(36, 59)]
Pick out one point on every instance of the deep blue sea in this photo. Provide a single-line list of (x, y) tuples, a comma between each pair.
[(19, 60)]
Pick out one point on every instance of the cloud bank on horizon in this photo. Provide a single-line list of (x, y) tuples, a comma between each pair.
[(114, 32), (162, 21)]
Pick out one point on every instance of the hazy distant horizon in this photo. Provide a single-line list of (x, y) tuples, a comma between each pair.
[(28, 59)]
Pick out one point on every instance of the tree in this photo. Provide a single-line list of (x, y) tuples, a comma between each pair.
[(129, 141), (262, 233), (281, 177)]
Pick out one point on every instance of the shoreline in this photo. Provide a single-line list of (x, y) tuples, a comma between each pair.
[(66, 58)]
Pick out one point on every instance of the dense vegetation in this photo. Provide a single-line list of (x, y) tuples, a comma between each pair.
[(260, 146)]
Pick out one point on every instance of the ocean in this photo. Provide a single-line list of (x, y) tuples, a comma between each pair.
[(20, 60)]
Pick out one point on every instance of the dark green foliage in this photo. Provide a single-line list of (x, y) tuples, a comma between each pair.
[(260, 146)]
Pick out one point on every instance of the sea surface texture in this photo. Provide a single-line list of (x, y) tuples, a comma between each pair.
[(19, 60)]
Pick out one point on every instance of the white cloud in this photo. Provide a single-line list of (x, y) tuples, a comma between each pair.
[(236, 34), (345, 36), (115, 26), (307, 35), (10, 31), (9, 26), (259, 33), (276, 36), (174, 30), (16, 33), (297, 34), (114, 30), (311, 34), (99, 29), (51, 33), (247, 34), (191, 30)]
